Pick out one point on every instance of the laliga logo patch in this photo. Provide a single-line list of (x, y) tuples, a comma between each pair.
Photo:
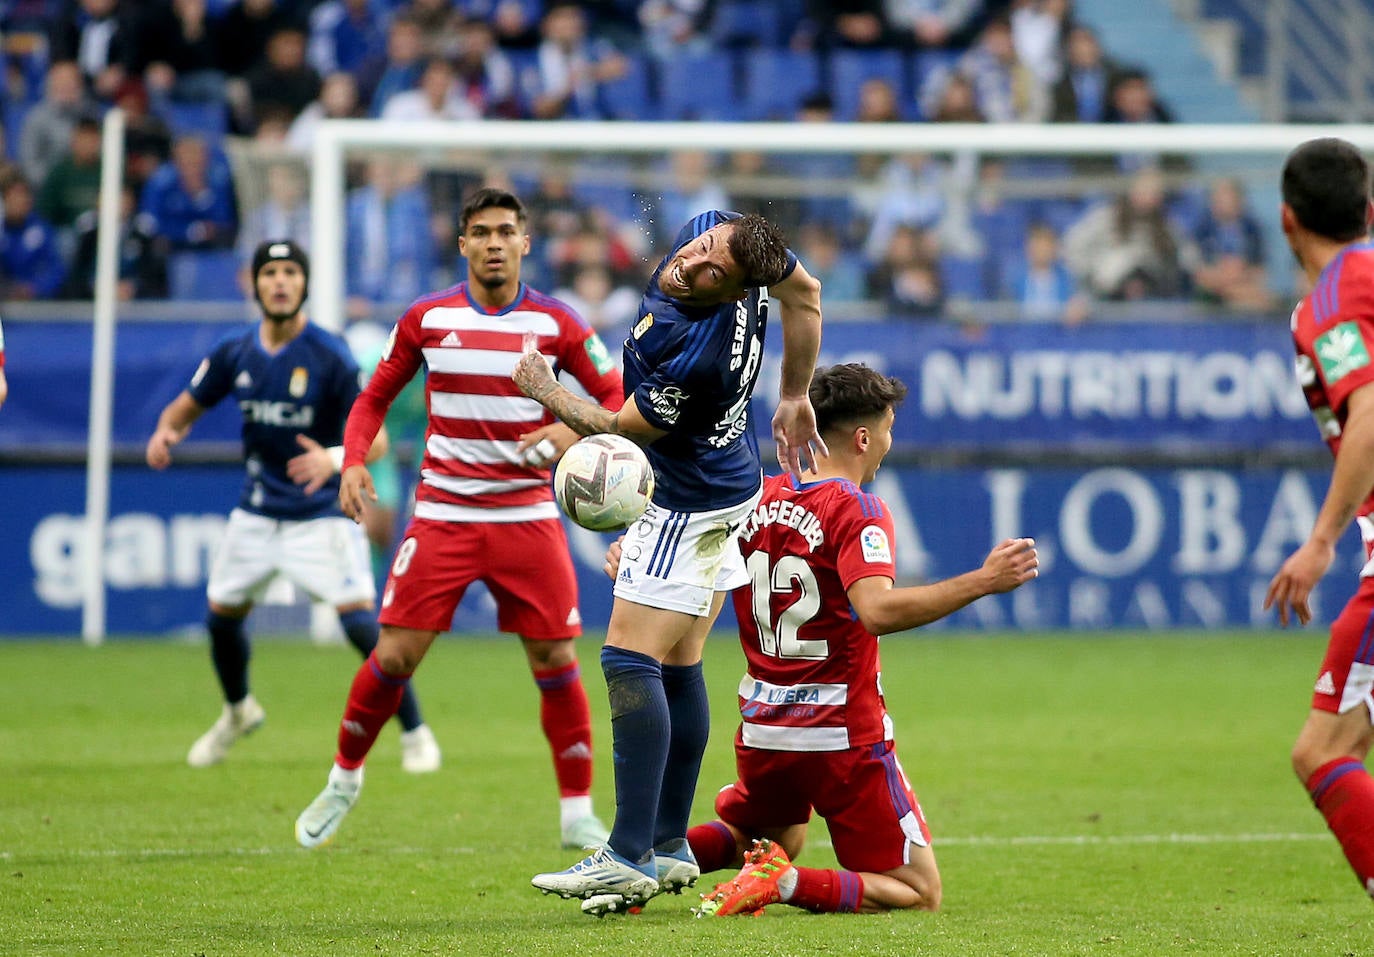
[(299, 380), (873, 541), (642, 326)]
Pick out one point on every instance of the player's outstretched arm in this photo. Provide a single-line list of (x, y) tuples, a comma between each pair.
[(172, 426), (355, 491), (534, 377), (1351, 481), (883, 609), (794, 423)]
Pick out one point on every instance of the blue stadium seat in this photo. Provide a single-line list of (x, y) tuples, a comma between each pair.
[(631, 96), (964, 277), (698, 87), (748, 23), (850, 69), (210, 120), (200, 276), (776, 81)]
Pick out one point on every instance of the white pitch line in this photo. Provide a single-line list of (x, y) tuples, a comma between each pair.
[(968, 841)]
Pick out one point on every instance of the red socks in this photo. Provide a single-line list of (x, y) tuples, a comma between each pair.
[(372, 701), (567, 722), (713, 845), (828, 892), (1343, 792)]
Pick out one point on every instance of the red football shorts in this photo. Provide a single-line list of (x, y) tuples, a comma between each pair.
[(525, 566), (1347, 672), (862, 794)]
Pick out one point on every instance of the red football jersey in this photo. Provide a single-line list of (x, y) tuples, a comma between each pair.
[(471, 471), (813, 679), (1333, 332)]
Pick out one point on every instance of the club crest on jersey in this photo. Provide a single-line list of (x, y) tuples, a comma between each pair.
[(873, 542), (1341, 350), (642, 326), (300, 379)]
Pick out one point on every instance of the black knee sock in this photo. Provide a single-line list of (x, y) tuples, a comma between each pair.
[(230, 651)]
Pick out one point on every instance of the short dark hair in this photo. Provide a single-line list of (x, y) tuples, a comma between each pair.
[(760, 249), (847, 393), (1326, 184), (486, 198)]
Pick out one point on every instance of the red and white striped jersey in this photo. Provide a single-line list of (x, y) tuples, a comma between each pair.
[(471, 471), (813, 679)]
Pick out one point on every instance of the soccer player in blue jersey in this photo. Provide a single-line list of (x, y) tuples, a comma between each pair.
[(294, 383), (691, 363)]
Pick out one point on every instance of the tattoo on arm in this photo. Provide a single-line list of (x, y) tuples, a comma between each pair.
[(583, 417)]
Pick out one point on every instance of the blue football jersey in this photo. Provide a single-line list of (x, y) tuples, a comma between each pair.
[(305, 389), (692, 372)]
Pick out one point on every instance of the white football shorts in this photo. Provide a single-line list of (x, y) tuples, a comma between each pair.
[(679, 560), (327, 558)]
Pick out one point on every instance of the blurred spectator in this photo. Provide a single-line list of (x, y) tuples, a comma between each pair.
[(73, 184), (381, 78), (147, 137), (389, 250), (185, 64), (1040, 282), (909, 191), (1127, 249), (906, 277), (436, 98), (345, 34), (284, 78), (338, 101), (243, 32), (692, 189), (840, 272), (516, 23), (595, 297), (485, 76), (878, 103), (828, 175), (1131, 99), (844, 23), (674, 28), (1007, 91), (274, 125), (1037, 32), (594, 244), (142, 254), (191, 198), (957, 102), (571, 66), (931, 23), (102, 37), (1230, 242), (284, 214), (48, 124), (31, 265), (435, 18), (1080, 96)]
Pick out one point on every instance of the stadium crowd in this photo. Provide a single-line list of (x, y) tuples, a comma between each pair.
[(910, 233)]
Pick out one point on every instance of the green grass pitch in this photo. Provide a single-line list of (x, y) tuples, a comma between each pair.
[(1123, 795)]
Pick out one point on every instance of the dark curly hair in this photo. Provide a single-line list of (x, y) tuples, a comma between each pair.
[(1326, 184), (845, 394), (760, 249)]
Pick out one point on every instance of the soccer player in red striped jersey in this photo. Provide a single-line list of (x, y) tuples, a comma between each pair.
[(1326, 215), (484, 510), (815, 733)]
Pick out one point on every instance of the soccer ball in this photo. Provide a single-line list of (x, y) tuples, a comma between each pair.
[(603, 482)]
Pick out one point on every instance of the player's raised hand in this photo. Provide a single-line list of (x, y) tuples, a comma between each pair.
[(545, 445), (532, 373), (1011, 564), (159, 451), (794, 431), (1291, 588), (355, 490), (313, 467)]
